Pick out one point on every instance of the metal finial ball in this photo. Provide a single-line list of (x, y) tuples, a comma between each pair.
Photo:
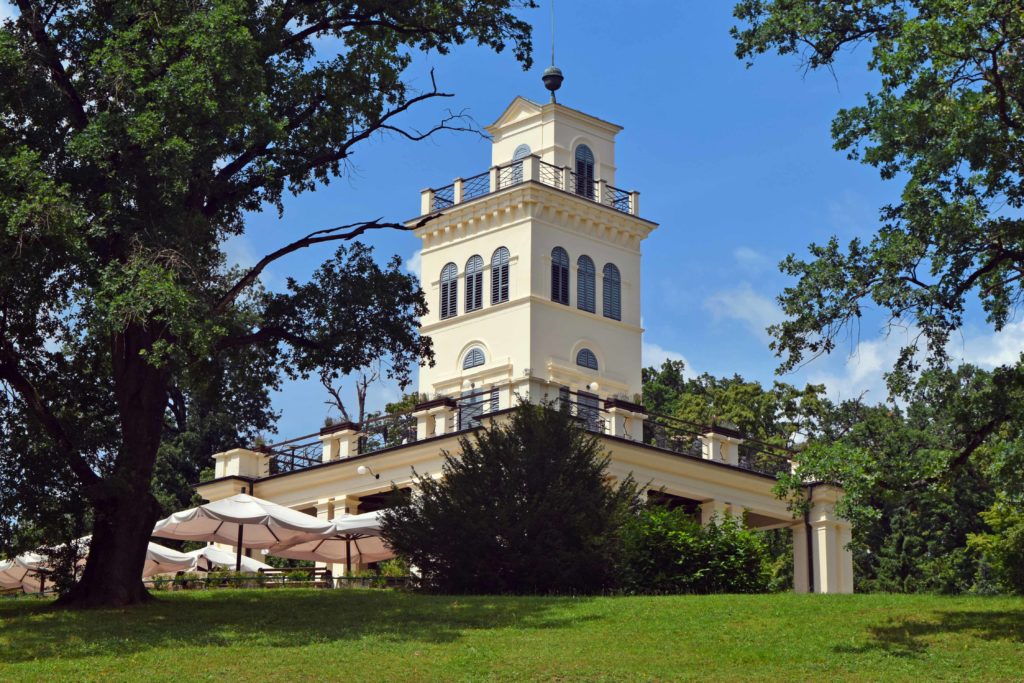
[(552, 78)]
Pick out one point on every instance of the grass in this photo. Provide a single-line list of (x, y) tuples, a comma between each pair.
[(353, 635)]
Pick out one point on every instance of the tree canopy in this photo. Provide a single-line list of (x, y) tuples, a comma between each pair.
[(947, 122), (134, 137)]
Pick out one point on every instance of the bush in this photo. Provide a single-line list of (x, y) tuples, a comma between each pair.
[(526, 508), (1003, 549), (668, 551)]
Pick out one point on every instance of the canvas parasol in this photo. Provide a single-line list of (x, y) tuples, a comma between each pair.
[(355, 538), (243, 519)]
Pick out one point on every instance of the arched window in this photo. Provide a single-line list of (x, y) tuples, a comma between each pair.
[(560, 276), (585, 358), (449, 291), (586, 290), (612, 292), (499, 275), (522, 151), (474, 283), (584, 172), (474, 358)]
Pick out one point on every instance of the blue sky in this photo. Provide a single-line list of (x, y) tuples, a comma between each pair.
[(735, 164)]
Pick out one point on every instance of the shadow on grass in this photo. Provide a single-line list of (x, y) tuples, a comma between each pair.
[(265, 618), (911, 637)]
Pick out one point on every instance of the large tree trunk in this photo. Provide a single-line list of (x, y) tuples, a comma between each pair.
[(125, 508)]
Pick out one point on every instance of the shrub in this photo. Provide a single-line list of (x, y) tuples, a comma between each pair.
[(526, 508), (668, 551)]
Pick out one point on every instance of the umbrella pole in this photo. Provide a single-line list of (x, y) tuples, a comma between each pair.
[(238, 557), (348, 560)]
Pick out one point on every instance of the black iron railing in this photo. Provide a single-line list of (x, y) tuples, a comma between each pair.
[(443, 198), (469, 409), (476, 186), (293, 454), (514, 173)]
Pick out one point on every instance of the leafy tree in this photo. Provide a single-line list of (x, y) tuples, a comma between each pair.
[(668, 551), (525, 508), (776, 415), (1004, 546), (947, 122), (134, 137)]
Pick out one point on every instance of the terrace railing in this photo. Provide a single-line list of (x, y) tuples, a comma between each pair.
[(601, 416), (529, 169)]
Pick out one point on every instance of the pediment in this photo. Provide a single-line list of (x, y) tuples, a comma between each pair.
[(519, 109)]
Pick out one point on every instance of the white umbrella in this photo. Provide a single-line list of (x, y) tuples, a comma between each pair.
[(242, 519), (355, 538), (205, 559), (23, 572), (163, 560)]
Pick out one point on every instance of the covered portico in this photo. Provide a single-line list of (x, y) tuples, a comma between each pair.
[(348, 469)]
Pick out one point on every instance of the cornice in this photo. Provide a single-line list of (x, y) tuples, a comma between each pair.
[(532, 200)]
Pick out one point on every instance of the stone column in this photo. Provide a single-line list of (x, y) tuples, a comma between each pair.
[(493, 177), (831, 561), (457, 190), (325, 513), (426, 201), (531, 168), (709, 509), (634, 203)]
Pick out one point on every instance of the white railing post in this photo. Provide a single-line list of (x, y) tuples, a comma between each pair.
[(531, 168), (567, 180), (426, 201), (494, 178), (721, 445), (634, 203), (457, 190), (602, 193)]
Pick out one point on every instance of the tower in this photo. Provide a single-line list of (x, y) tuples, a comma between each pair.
[(532, 268)]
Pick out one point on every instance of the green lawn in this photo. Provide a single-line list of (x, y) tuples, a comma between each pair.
[(363, 635)]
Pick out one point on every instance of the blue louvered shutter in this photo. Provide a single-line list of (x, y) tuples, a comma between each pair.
[(612, 292), (586, 290)]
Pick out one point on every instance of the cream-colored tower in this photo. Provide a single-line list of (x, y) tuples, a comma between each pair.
[(515, 306)]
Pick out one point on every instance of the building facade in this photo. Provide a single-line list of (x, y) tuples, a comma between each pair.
[(532, 274)]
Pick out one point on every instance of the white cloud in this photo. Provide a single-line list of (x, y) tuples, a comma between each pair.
[(654, 355), (751, 260), (742, 303), (991, 349), (414, 265), (862, 374)]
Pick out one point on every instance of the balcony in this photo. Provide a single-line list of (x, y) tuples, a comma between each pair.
[(447, 416), (529, 169)]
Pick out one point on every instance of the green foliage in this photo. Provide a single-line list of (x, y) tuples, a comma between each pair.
[(774, 415), (946, 120), (525, 508), (145, 131), (668, 551), (1003, 548)]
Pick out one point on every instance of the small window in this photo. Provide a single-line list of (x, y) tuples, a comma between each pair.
[(473, 359), (474, 283), (584, 172), (612, 292), (522, 151), (586, 359), (499, 276), (449, 291), (560, 276), (586, 291)]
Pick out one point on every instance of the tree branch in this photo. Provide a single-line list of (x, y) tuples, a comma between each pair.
[(317, 237), (30, 15), (12, 375)]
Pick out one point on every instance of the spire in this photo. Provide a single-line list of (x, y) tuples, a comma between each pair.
[(552, 75)]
